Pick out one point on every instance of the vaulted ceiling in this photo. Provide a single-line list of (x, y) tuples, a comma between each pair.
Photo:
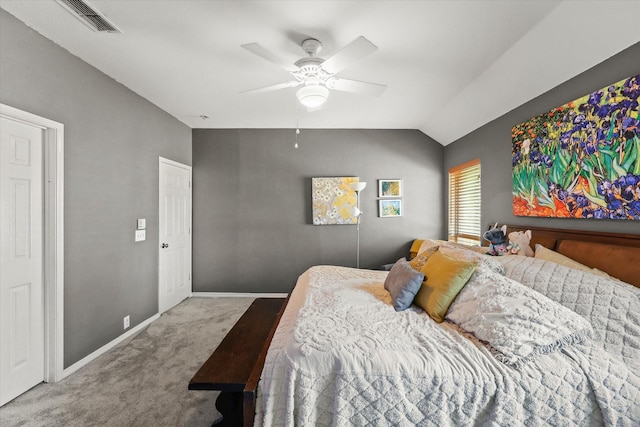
[(449, 66)]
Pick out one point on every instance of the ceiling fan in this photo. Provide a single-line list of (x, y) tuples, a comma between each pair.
[(317, 75)]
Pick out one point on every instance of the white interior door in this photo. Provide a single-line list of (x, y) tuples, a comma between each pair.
[(21, 258), (175, 234)]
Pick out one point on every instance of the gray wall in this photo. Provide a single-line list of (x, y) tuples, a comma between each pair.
[(492, 144), (113, 138), (252, 202)]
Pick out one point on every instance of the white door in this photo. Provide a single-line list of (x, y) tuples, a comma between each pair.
[(21, 259), (175, 234)]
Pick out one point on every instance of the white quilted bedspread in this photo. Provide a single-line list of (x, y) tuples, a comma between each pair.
[(342, 356)]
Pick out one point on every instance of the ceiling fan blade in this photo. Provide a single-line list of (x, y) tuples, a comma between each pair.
[(292, 83), (257, 49), (357, 49), (355, 86)]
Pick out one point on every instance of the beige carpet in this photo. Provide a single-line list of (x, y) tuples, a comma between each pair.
[(141, 382)]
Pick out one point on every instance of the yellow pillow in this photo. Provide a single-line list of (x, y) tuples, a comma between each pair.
[(558, 258), (444, 279), (415, 248)]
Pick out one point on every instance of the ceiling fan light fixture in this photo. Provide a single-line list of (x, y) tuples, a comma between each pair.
[(313, 95)]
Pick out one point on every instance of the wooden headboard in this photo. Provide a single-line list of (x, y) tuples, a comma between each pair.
[(614, 253)]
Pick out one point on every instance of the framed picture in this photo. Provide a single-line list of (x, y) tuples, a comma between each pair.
[(390, 208), (333, 200), (389, 188), (582, 159)]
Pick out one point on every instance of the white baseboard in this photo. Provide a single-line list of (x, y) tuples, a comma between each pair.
[(108, 346), (237, 295), (99, 352)]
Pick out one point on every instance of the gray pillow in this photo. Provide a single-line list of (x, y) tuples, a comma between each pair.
[(403, 283)]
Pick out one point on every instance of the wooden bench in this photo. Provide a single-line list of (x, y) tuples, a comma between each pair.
[(234, 367)]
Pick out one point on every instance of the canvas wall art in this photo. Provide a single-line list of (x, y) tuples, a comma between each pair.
[(582, 159), (333, 200)]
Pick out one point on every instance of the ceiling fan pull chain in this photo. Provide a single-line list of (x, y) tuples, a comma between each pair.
[(297, 127)]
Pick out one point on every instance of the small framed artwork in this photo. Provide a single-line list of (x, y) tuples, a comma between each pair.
[(390, 208), (389, 188)]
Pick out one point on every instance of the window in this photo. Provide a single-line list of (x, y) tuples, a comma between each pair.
[(464, 203)]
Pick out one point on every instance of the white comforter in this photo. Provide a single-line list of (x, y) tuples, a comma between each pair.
[(343, 356)]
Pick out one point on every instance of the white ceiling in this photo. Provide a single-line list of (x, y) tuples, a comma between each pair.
[(450, 66)]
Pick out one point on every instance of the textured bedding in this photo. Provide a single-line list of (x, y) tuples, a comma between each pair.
[(517, 322), (342, 356), (612, 307)]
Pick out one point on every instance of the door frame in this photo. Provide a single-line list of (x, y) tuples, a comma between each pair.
[(53, 234), (190, 272)]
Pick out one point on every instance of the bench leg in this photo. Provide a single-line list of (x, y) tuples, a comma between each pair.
[(229, 404)]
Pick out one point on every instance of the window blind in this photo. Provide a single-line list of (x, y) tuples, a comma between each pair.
[(464, 203)]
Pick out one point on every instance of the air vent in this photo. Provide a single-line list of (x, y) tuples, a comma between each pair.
[(89, 16)]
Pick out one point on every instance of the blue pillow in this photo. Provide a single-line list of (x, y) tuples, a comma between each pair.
[(403, 283)]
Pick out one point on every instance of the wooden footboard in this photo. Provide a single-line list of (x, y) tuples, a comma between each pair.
[(234, 367)]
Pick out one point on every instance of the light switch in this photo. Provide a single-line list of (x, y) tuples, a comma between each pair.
[(142, 224), (141, 235)]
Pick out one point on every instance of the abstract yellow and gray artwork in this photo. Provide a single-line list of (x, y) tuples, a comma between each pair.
[(333, 200)]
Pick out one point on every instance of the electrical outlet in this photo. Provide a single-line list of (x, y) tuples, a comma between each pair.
[(127, 321), (140, 235)]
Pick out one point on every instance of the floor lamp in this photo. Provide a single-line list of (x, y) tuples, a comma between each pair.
[(358, 187)]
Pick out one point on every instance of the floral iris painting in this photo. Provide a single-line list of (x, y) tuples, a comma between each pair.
[(581, 160)]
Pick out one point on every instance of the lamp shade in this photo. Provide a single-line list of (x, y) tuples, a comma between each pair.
[(358, 186), (312, 95)]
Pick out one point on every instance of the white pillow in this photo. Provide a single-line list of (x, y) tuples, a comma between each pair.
[(518, 323), (429, 243), (553, 256), (457, 252)]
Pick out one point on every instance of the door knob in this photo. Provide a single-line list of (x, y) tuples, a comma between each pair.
[(164, 245)]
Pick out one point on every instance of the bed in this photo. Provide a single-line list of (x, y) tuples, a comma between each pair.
[(560, 348), (615, 253)]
